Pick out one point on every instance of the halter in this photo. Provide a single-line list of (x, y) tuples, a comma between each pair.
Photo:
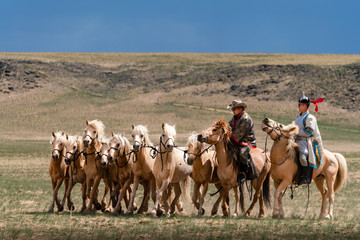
[(278, 136), (59, 151), (92, 139)]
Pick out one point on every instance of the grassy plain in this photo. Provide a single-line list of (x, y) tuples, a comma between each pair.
[(28, 119)]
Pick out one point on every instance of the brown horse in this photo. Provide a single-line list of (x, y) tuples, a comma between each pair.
[(75, 160), (142, 168), (219, 135), (333, 167), (170, 169), (57, 169), (94, 172)]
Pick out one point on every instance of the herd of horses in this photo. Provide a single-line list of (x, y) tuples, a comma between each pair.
[(165, 171)]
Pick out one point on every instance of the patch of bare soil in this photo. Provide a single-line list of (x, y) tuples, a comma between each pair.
[(339, 85)]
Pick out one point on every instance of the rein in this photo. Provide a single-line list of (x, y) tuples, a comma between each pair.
[(278, 136)]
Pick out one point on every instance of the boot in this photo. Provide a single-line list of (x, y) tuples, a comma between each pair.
[(251, 171), (306, 175), (241, 178)]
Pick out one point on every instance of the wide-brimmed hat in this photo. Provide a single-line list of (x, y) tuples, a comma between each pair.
[(235, 104)]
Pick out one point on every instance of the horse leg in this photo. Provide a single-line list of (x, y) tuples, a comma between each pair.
[(201, 211), (278, 211), (66, 183), (236, 192), (84, 197), (216, 204), (257, 187), (51, 207), (177, 191), (319, 181), (145, 202), (132, 197), (161, 188), (122, 194), (225, 199), (195, 196), (108, 187), (88, 190), (93, 194), (330, 180), (55, 193), (70, 204)]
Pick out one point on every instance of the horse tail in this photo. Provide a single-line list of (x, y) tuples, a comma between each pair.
[(342, 172), (186, 185), (266, 191)]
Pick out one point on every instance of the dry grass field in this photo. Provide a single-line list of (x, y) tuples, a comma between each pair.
[(64, 102)]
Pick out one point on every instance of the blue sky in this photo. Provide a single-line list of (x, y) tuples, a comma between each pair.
[(251, 26)]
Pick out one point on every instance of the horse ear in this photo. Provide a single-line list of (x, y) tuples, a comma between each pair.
[(163, 126), (87, 123), (67, 137), (112, 134), (53, 134), (133, 127), (62, 133)]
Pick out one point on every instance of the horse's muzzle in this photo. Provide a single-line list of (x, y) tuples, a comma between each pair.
[(67, 161), (201, 138), (55, 157), (86, 143), (190, 160)]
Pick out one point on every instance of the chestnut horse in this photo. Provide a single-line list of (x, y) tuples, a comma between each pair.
[(118, 155), (170, 168), (219, 135), (57, 169), (332, 168), (75, 161), (204, 163)]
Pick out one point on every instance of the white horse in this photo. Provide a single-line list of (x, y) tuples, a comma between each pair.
[(170, 168)]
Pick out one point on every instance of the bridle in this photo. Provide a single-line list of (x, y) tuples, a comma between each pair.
[(278, 136)]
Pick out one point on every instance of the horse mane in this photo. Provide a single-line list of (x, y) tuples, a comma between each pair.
[(143, 130), (169, 130), (76, 139), (226, 129), (123, 141), (98, 126), (193, 141), (291, 129), (59, 135)]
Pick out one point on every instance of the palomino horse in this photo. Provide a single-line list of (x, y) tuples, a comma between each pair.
[(93, 170), (219, 135), (204, 164), (333, 167), (170, 168), (118, 153), (110, 174), (57, 169), (142, 168), (74, 159)]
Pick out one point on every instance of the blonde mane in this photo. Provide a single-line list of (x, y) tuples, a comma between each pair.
[(123, 141), (58, 135), (98, 126), (226, 127), (291, 130), (140, 129), (193, 141), (72, 140)]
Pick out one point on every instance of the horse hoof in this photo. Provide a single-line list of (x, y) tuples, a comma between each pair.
[(153, 213), (159, 212), (261, 215), (235, 215), (97, 206), (213, 213), (61, 208), (203, 212)]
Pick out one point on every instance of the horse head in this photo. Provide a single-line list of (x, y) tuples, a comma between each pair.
[(220, 130), (277, 130), (73, 148), (194, 148), (94, 130), (140, 135), (103, 152), (58, 142), (167, 138)]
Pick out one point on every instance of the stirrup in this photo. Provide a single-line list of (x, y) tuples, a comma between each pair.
[(304, 180)]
